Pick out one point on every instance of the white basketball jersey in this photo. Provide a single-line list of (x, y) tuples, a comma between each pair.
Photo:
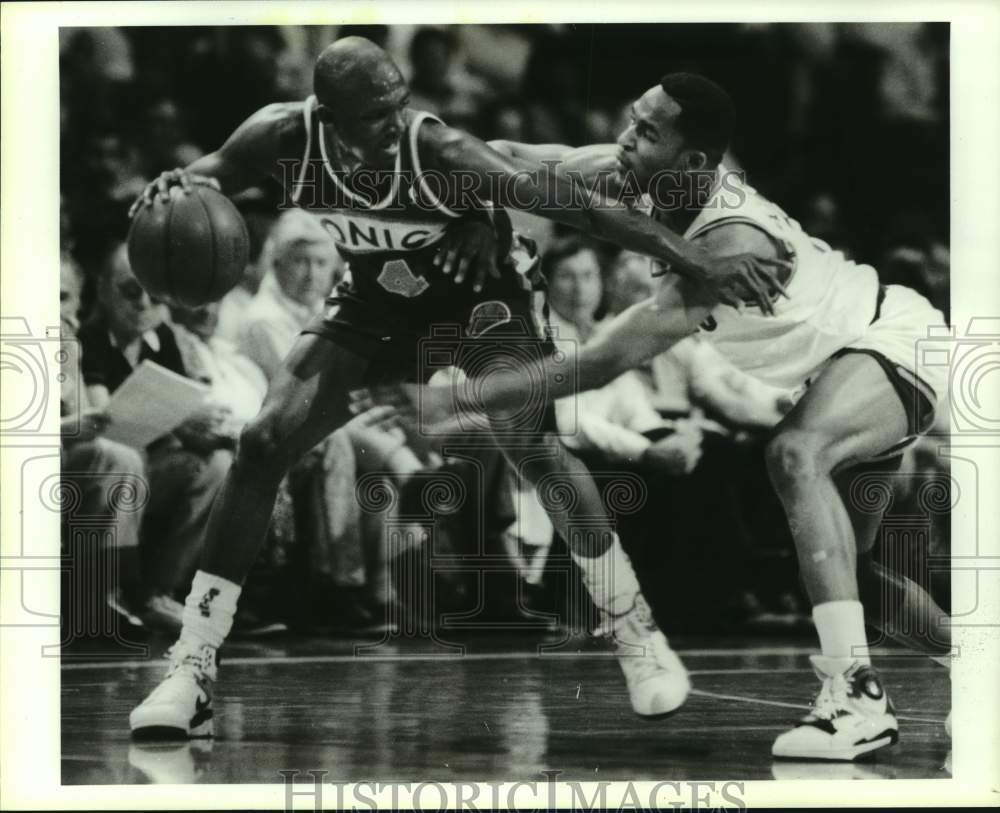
[(832, 300)]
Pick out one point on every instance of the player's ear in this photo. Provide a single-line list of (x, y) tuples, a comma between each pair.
[(694, 160)]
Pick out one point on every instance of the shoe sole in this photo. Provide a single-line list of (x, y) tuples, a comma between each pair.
[(663, 715), (165, 730), (166, 733), (840, 754), (159, 733)]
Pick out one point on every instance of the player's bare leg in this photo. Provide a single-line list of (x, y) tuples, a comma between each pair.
[(657, 681), (851, 413), (306, 402)]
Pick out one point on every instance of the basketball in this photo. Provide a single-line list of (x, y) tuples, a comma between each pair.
[(191, 250)]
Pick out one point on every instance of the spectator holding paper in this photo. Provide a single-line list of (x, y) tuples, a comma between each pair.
[(185, 467), (95, 468)]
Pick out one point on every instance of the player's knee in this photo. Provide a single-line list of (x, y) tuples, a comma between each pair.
[(795, 457)]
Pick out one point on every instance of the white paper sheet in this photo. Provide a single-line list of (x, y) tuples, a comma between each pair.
[(150, 403)]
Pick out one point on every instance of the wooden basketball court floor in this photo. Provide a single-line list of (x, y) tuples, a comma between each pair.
[(499, 710)]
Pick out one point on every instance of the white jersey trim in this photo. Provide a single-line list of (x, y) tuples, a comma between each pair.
[(300, 181), (382, 204), (419, 119)]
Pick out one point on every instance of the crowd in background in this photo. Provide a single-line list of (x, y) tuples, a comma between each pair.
[(845, 126)]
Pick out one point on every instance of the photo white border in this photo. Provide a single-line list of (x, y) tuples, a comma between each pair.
[(29, 261)]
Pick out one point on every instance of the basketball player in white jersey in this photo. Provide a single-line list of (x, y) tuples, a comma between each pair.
[(845, 341), (353, 155)]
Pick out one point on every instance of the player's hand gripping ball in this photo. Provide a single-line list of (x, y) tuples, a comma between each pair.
[(188, 244)]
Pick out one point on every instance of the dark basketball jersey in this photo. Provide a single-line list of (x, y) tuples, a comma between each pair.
[(388, 225)]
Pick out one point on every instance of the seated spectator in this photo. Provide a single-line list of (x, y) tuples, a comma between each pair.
[(186, 468), (96, 467), (439, 82), (237, 383), (612, 419), (234, 305), (301, 266)]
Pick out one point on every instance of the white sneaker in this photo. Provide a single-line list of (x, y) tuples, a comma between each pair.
[(851, 716), (181, 706), (657, 681)]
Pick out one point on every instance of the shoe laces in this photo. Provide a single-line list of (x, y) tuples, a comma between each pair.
[(831, 700), (638, 653), (638, 616), (198, 662)]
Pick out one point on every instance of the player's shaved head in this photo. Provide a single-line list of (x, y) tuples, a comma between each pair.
[(352, 68)]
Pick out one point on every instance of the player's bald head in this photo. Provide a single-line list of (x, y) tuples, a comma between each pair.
[(353, 67)]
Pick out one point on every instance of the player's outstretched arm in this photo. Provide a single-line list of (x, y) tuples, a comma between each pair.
[(592, 165), (248, 156), (551, 194), (633, 337), (530, 152)]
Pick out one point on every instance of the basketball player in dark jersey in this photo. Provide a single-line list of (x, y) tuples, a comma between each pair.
[(367, 167)]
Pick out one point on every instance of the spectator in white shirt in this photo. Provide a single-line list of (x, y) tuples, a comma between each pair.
[(301, 267)]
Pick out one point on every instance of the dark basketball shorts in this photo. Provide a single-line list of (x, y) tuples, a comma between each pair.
[(476, 337)]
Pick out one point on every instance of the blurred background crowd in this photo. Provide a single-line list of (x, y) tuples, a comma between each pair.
[(844, 125)]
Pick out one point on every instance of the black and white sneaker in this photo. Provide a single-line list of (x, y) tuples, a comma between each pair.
[(852, 716), (181, 706)]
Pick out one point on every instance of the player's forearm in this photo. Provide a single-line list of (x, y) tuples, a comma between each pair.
[(542, 189), (232, 177), (251, 153), (558, 196), (638, 232), (535, 153), (634, 337)]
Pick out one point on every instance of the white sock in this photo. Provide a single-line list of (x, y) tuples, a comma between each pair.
[(841, 628), (610, 579), (208, 610)]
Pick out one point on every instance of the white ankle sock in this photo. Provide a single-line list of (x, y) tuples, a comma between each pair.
[(209, 610), (841, 628), (610, 579)]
